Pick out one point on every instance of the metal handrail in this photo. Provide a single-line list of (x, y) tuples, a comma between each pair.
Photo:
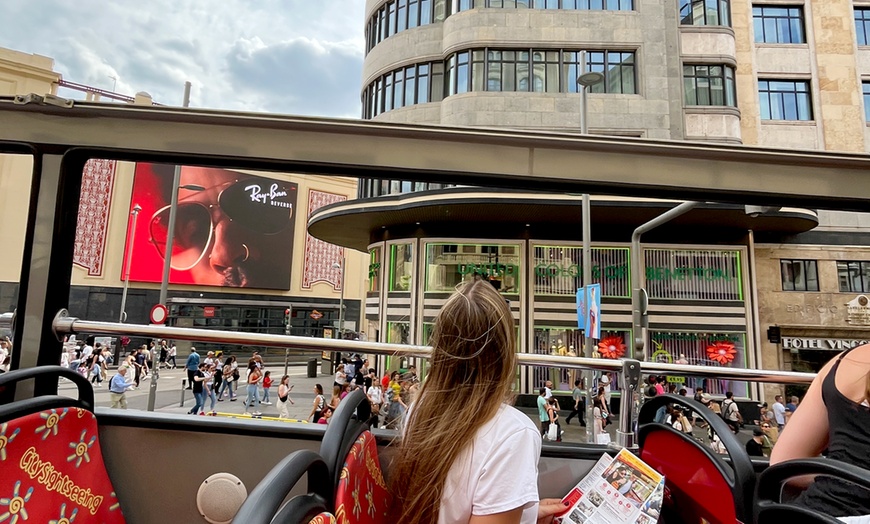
[(64, 324)]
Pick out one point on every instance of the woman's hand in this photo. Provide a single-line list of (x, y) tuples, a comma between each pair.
[(549, 508)]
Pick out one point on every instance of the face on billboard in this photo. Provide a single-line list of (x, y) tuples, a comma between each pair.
[(231, 229)]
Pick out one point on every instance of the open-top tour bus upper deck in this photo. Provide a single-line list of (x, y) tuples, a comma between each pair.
[(141, 451)]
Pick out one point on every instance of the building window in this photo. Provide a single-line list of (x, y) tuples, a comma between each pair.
[(709, 85), (799, 275), (401, 267), (778, 25), (450, 264), (705, 12), (862, 25), (854, 277), (618, 68), (865, 88), (785, 100), (545, 71)]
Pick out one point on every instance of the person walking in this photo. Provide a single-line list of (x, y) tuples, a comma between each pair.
[(267, 385), (543, 416), (284, 389), (198, 380), (253, 398), (96, 371), (228, 379), (171, 356), (578, 411), (118, 388), (209, 388), (731, 413), (191, 366), (319, 404)]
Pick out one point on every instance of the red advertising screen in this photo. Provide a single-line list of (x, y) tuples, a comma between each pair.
[(231, 229)]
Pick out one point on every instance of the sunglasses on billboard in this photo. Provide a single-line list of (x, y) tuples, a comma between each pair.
[(261, 206)]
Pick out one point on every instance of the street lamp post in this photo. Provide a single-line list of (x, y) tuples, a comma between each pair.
[(340, 267), (167, 256), (586, 80), (135, 214)]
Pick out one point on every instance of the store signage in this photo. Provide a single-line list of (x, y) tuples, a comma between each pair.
[(208, 311), (374, 269), (653, 274), (488, 269), (822, 344), (316, 315), (858, 311)]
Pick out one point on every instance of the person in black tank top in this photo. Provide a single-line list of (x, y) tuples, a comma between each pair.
[(830, 419)]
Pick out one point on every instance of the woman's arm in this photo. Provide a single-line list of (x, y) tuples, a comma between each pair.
[(806, 434), (508, 517)]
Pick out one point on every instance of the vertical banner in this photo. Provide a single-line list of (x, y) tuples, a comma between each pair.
[(593, 308), (581, 308)]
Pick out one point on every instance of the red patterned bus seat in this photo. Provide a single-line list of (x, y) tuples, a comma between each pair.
[(52, 470), (362, 496)]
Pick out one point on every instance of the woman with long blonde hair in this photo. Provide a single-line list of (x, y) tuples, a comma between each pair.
[(465, 454)]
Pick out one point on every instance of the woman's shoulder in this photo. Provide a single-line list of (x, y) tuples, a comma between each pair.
[(509, 418)]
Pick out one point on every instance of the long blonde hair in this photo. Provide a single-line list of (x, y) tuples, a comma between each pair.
[(472, 370)]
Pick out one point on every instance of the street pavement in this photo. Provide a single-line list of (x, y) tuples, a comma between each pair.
[(171, 397)]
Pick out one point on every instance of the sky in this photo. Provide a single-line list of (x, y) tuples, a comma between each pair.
[(299, 57)]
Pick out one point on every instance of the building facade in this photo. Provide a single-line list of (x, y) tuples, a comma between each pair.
[(272, 276), (765, 73)]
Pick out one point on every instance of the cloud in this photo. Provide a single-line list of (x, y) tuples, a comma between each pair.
[(289, 56), (298, 76)]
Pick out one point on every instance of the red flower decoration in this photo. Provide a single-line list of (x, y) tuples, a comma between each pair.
[(721, 352), (611, 347)]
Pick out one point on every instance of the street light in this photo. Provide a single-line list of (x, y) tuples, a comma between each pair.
[(586, 80), (340, 267), (135, 214), (167, 257)]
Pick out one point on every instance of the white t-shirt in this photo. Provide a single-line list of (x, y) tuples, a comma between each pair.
[(86, 351), (779, 413), (374, 395), (498, 472), (547, 393)]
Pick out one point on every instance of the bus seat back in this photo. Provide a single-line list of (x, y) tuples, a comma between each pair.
[(695, 487), (361, 496), (51, 468)]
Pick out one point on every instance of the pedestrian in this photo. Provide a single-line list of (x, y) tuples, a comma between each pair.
[(553, 414), (197, 380), (171, 355), (779, 412), (543, 416), (375, 394), (228, 379), (267, 384), (319, 404), (118, 388), (218, 371), (577, 395), (284, 389), (192, 365), (755, 445), (164, 353), (253, 397), (96, 370), (340, 376), (791, 407), (209, 388), (731, 413)]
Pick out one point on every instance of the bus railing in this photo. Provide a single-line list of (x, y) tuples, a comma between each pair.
[(630, 370)]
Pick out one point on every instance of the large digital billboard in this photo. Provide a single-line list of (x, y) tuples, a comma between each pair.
[(231, 229)]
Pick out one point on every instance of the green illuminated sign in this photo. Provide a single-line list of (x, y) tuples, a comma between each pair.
[(621, 272)]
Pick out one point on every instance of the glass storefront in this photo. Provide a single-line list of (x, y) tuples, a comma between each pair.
[(569, 342), (374, 270), (401, 267), (703, 349), (450, 264), (559, 270)]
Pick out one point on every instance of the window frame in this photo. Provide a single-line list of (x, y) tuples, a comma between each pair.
[(786, 264), (861, 271), (765, 91), (692, 97), (764, 23)]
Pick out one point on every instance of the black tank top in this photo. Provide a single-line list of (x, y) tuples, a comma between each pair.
[(848, 441)]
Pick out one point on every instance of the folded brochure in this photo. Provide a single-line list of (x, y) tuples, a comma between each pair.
[(618, 490)]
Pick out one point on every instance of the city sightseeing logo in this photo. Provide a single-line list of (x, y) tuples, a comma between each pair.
[(269, 198)]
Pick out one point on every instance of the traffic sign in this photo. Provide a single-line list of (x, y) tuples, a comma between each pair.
[(159, 314)]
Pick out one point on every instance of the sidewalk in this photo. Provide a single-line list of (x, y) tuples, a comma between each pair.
[(169, 394)]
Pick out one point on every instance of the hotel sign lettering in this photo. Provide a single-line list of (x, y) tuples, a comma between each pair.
[(821, 344)]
